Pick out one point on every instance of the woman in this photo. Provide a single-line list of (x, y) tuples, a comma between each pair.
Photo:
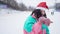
[(32, 25)]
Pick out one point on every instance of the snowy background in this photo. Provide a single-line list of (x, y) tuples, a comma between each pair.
[(12, 21)]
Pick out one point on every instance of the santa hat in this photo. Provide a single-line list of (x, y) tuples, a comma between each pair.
[(42, 6)]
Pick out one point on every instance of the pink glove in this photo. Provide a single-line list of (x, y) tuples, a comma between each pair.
[(41, 19), (47, 21)]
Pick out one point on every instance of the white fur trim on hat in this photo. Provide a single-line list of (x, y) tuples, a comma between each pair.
[(41, 8)]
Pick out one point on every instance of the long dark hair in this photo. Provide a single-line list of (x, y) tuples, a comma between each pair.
[(45, 15), (37, 13)]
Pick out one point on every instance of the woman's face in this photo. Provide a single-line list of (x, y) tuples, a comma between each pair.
[(43, 12)]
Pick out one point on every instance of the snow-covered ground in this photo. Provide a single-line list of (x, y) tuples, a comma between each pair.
[(12, 21)]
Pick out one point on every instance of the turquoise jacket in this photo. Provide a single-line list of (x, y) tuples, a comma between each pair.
[(30, 22)]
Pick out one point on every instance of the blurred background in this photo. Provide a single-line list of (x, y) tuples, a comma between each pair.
[(13, 13)]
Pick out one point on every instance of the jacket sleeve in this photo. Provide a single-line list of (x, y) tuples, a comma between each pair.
[(47, 30), (28, 26), (37, 28)]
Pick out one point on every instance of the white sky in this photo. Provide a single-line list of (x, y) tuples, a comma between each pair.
[(36, 2), (57, 1)]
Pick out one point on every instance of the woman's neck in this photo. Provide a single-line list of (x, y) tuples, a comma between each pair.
[(34, 16)]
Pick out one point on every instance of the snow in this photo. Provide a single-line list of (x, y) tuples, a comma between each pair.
[(12, 21)]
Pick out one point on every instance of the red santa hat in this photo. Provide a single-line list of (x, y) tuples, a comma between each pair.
[(42, 6)]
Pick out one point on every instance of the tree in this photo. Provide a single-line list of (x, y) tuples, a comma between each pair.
[(13, 4), (22, 6)]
